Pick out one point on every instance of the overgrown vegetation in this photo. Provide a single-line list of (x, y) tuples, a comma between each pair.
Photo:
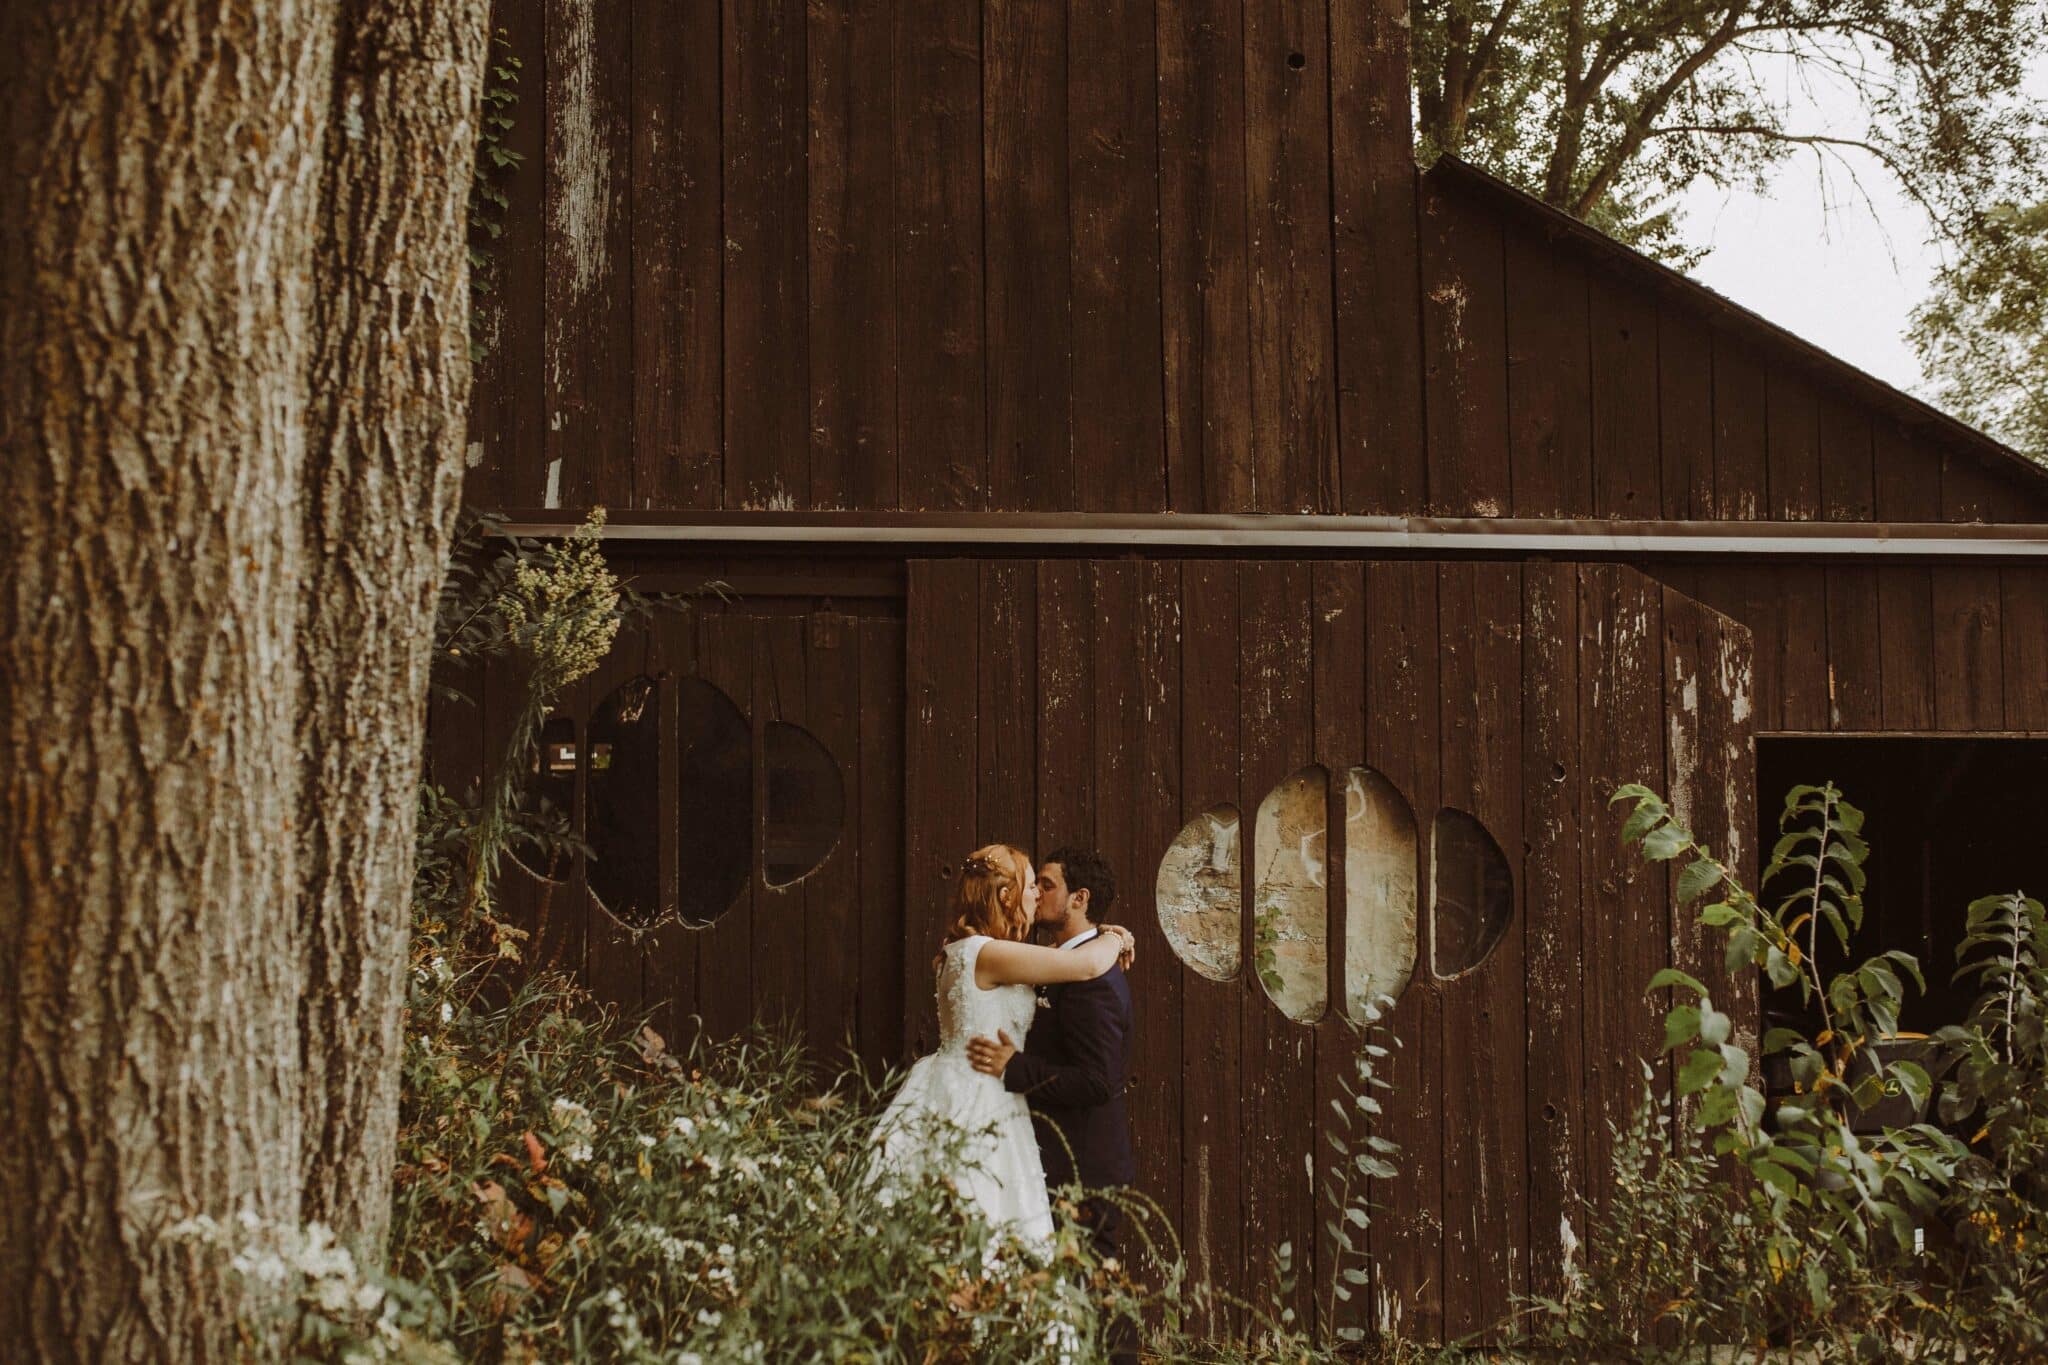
[(1917, 1241)]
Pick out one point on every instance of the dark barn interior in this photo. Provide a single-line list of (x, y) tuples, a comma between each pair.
[(1105, 433)]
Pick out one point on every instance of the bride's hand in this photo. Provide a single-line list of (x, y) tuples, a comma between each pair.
[(1128, 953)]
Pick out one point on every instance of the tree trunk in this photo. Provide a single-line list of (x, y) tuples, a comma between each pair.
[(233, 371), (162, 179), (391, 388)]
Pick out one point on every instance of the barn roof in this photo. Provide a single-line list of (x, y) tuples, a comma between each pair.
[(1951, 432)]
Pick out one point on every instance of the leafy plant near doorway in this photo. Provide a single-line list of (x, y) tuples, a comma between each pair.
[(1914, 1242)]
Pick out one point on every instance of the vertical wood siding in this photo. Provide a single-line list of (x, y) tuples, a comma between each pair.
[(1158, 691), (1118, 256)]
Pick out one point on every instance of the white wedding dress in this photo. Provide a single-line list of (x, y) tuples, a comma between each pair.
[(998, 1166)]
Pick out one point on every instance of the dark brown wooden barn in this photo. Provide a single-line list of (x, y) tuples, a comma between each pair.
[(1107, 434)]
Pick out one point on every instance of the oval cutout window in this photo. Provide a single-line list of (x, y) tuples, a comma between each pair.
[(1379, 891), (715, 806), (1290, 898), (1200, 894), (623, 790), (541, 847), (1471, 894), (806, 804)]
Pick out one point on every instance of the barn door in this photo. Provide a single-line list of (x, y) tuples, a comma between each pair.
[(1317, 782)]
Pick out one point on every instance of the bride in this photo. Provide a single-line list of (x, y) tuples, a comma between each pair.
[(986, 975)]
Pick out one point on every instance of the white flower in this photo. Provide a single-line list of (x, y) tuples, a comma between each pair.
[(706, 1317), (579, 1152), (685, 1125), (645, 1140), (748, 1167), (447, 1011)]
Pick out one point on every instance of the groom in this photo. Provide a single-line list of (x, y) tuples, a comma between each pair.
[(1072, 1067)]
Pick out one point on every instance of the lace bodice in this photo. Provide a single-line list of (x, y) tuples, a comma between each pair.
[(966, 1010)]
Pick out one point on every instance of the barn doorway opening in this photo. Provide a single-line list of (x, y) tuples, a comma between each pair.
[(1948, 820)]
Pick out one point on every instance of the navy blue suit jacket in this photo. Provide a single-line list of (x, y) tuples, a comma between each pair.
[(1071, 1072)]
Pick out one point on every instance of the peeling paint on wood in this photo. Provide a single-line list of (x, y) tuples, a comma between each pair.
[(1379, 891), (1290, 906), (1200, 897)]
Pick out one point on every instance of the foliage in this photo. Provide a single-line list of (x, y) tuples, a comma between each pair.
[(1982, 333), (488, 200), (570, 1190), (1609, 110), (1907, 1243)]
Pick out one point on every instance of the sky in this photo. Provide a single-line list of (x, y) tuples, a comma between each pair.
[(1812, 255)]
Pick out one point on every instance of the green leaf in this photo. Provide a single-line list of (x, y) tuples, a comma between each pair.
[(1681, 1026), (1701, 876), (1719, 915), (1666, 842), (1672, 976), (1699, 1071)]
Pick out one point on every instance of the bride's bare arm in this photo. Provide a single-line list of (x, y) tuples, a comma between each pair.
[(1002, 963)]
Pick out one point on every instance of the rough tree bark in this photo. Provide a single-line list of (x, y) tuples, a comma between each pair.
[(391, 386), (162, 183), (233, 301)]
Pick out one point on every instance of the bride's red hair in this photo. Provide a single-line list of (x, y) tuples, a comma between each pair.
[(988, 895)]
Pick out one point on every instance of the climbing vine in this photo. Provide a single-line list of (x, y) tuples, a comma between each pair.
[(488, 201)]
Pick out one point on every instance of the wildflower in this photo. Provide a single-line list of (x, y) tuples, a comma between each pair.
[(684, 1125), (645, 1140)]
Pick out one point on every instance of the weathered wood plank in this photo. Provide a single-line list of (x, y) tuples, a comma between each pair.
[(1117, 427), (1627, 460), (834, 911), (1485, 1024), (588, 253), (1550, 379), (1848, 462), (1969, 675), (1905, 646), (941, 823), (1464, 350), (882, 930), (1685, 409), (1214, 1144), (1554, 932), (726, 658), (1854, 660), (1382, 460), (1066, 705), (611, 952), (1406, 1238), (1136, 816), (1627, 923), (1276, 739), (1802, 621), (1006, 766), (1740, 480), (767, 356), (936, 224), (669, 973), (1793, 442), (2023, 621), (781, 693), (1029, 352), (1339, 653), (1287, 187), (677, 208), (1908, 478), (1204, 274), (851, 284)]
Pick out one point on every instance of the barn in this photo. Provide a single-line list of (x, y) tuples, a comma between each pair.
[(1102, 431)]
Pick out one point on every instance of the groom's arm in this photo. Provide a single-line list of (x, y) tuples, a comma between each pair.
[(1094, 1031)]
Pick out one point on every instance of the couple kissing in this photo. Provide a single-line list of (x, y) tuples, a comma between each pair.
[(1034, 1040)]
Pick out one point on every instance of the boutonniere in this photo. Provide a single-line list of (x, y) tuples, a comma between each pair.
[(1044, 1001)]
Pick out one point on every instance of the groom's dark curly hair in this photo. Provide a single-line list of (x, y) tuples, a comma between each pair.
[(1085, 870)]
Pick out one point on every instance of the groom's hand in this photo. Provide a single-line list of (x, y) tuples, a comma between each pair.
[(990, 1058)]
